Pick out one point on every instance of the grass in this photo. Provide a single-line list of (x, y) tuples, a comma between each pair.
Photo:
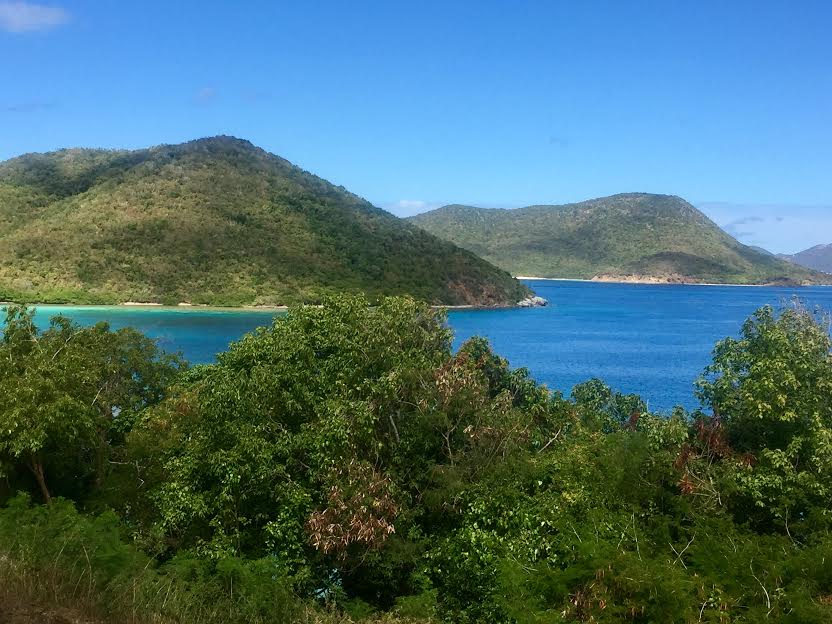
[(56, 560)]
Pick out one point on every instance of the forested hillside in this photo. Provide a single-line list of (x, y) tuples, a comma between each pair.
[(634, 236), (215, 221)]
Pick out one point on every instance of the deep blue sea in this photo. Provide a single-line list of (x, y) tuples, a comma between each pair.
[(650, 339)]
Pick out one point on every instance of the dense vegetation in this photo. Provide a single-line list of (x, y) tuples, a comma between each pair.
[(818, 258), (344, 464), (215, 221), (630, 236)]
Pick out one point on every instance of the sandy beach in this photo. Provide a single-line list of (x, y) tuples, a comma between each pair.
[(652, 282)]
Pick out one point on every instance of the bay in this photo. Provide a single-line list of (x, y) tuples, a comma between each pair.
[(649, 339), (653, 340)]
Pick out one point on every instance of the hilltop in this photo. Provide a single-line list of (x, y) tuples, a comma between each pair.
[(630, 237), (818, 258), (214, 221)]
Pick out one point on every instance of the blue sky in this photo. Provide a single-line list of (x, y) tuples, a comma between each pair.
[(418, 104)]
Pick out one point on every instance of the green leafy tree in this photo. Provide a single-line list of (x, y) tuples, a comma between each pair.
[(600, 407), (68, 394), (771, 390), (320, 439), (256, 445)]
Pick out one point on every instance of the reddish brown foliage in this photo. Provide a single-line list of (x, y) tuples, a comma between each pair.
[(711, 435), (686, 485), (360, 510)]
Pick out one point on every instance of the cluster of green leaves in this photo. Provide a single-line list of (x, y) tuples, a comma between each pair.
[(346, 458), (215, 221), (69, 395), (771, 391), (629, 235)]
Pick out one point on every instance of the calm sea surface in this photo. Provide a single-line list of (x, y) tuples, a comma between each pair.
[(653, 340)]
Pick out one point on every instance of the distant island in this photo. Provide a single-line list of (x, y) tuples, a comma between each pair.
[(632, 237), (818, 258), (215, 221)]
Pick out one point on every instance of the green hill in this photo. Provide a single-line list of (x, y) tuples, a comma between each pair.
[(818, 258), (634, 236), (215, 221)]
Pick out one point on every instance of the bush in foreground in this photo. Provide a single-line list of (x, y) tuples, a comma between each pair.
[(346, 463)]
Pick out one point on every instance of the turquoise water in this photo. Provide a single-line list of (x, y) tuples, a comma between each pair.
[(198, 334), (653, 340)]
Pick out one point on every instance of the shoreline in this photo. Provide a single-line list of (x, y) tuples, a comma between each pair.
[(648, 282), (199, 307), (185, 308), (131, 305)]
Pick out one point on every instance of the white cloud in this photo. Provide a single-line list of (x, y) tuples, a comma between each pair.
[(410, 207), (205, 95), (778, 228), (23, 17), (31, 106)]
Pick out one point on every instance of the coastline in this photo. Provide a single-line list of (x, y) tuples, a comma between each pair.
[(654, 282), (187, 307), (131, 305)]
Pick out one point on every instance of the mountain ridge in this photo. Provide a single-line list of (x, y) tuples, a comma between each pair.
[(818, 258), (623, 237), (214, 221)]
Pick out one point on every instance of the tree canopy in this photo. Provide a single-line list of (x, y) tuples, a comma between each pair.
[(69, 394), (345, 464)]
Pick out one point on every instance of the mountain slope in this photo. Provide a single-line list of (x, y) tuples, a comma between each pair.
[(762, 250), (818, 258), (214, 221), (634, 236)]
